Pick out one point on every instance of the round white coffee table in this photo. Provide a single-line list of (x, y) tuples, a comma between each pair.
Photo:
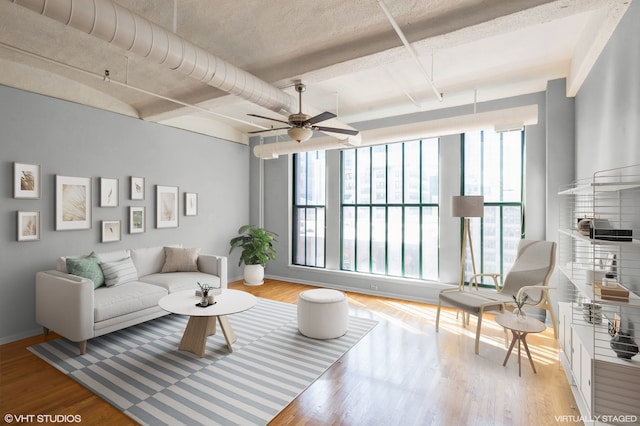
[(520, 328), (202, 321)]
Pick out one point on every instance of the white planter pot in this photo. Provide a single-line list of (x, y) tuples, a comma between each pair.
[(253, 275)]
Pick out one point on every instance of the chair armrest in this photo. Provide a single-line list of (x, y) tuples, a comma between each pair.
[(474, 278), (214, 265), (64, 304), (543, 288)]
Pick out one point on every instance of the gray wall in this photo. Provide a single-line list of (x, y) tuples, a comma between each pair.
[(277, 214), (72, 140), (608, 104)]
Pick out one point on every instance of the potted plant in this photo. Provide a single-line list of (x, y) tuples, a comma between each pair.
[(257, 248)]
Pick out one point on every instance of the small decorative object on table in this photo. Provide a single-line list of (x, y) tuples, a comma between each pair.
[(518, 311), (206, 299)]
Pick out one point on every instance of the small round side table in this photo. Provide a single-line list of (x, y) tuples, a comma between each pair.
[(520, 327)]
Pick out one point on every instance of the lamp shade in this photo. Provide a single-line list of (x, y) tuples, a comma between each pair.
[(467, 206), (300, 134)]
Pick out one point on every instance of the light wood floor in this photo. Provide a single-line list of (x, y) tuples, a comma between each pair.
[(402, 373)]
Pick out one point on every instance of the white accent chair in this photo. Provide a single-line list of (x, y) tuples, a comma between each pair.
[(529, 275)]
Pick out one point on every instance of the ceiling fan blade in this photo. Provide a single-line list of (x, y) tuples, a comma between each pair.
[(320, 117), (269, 130), (336, 130), (268, 118)]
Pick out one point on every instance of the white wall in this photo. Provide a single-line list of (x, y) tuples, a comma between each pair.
[(72, 140)]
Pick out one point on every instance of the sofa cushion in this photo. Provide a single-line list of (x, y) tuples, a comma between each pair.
[(111, 302), (178, 281), (119, 272), (87, 267), (149, 260), (109, 256), (180, 259)]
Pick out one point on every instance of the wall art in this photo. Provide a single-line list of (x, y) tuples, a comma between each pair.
[(73, 203), (190, 204), (111, 231), (28, 226), (26, 180), (137, 219), (109, 192), (166, 206), (137, 188)]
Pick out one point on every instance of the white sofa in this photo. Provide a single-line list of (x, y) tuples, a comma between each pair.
[(70, 305)]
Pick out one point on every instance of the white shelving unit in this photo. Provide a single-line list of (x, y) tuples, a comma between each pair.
[(606, 387)]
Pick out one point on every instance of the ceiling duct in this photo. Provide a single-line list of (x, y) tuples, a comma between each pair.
[(122, 28)]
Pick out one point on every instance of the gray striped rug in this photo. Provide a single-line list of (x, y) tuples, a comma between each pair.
[(141, 371)]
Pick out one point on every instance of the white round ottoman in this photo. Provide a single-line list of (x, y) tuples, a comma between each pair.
[(322, 313)]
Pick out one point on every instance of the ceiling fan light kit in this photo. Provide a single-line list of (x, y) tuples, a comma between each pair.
[(300, 134)]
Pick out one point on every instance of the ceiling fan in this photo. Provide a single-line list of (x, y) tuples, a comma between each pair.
[(300, 126)]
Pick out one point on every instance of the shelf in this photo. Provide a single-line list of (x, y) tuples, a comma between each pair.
[(590, 188), (586, 290), (578, 236)]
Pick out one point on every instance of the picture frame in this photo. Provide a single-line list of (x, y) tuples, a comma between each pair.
[(109, 192), (73, 203), (137, 220), (190, 204), (28, 225), (166, 206), (27, 181), (136, 190), (111, 231)]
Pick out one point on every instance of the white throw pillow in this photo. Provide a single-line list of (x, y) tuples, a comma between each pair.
[(119, 272)]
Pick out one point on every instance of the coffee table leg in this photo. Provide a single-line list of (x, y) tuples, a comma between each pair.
[(513, 342), (519, 359), (195, 334), (526, 348), (229, 335)]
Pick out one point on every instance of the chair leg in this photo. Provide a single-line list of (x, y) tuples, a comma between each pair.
[(478, 332), (553, 321), (438, 316)]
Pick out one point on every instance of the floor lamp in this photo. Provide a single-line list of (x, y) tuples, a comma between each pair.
[(467, 206)]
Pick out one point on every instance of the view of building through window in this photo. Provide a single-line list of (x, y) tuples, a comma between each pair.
[(389, 212), (493, 168), (309, 209), (390, 209)]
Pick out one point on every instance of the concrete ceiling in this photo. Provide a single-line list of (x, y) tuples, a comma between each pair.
[(346, 51)]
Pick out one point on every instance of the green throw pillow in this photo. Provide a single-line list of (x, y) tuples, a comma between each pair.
[(87, 267)]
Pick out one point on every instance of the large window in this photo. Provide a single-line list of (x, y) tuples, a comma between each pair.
[(493, 167), (390, 209), (309, 209)]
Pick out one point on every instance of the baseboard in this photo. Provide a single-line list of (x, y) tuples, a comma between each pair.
[(20, 336)]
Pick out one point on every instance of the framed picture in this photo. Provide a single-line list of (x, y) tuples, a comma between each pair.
[(190, 204), (137, 219), (73, 203), (26, 181), (109, 192), (166, 206), (110, 231), (28, 226), (137, 188)]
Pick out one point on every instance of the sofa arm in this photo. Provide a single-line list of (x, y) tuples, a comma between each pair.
[(214, 265), (64, 304)]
